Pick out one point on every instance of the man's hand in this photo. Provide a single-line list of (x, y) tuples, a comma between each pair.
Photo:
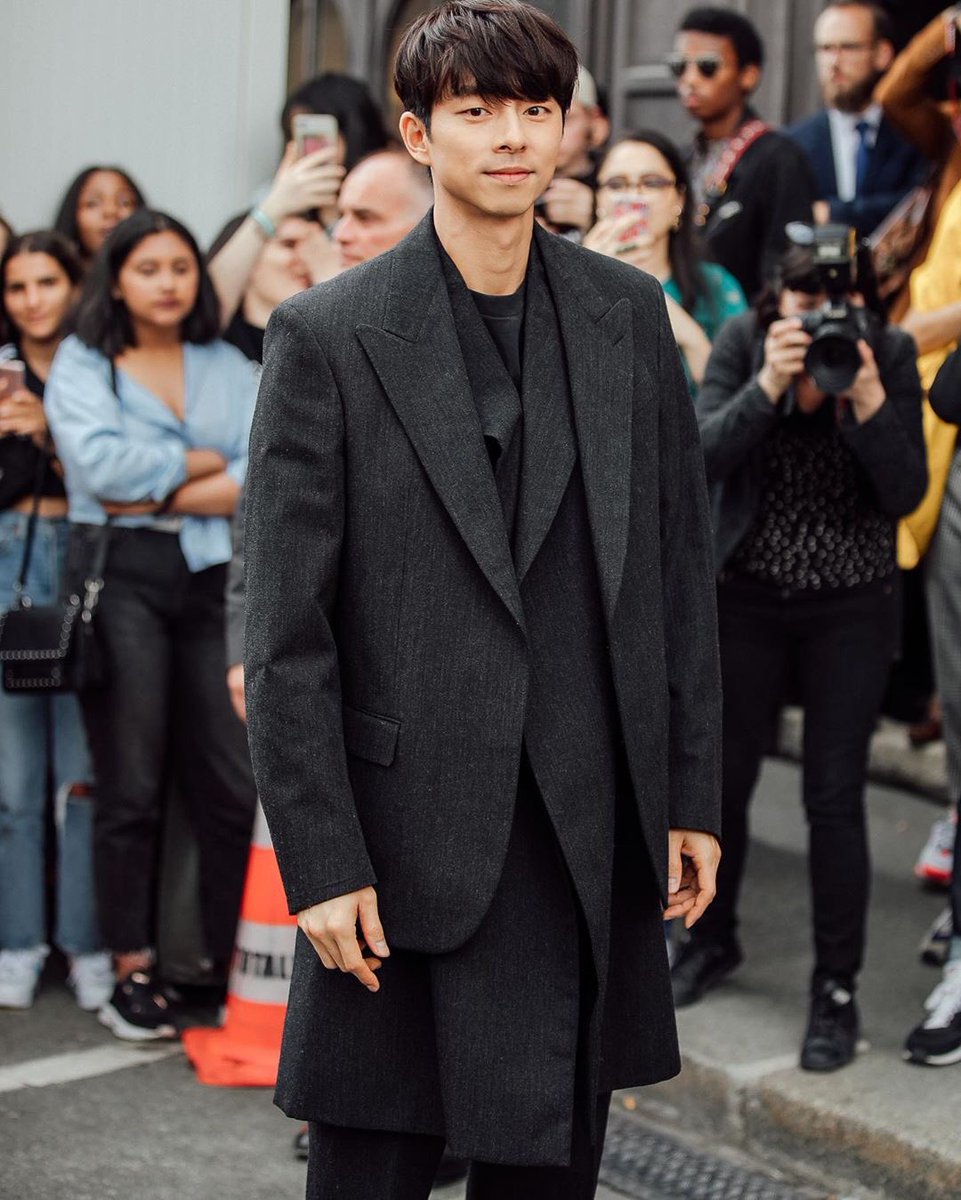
[(570, 204), (691, 874), (332, 929), (235, 686)]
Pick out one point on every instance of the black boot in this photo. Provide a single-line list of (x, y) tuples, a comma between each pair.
[(832, 1034), (701, 965)]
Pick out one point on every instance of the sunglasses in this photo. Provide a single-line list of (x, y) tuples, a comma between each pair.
[(707, 65)]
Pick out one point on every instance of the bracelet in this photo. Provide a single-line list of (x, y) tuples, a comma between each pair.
[(267, 227)]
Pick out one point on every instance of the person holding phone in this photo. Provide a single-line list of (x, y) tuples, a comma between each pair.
[(151, 414), (645, 210), (306, 179), (41, 737), (95, 202)]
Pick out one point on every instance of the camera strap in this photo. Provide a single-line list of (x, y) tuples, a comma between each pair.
[(716, 184)]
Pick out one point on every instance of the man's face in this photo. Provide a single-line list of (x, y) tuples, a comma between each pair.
[(578, 139), (849, 59), (489, 158), (379, 205), (725, 86)]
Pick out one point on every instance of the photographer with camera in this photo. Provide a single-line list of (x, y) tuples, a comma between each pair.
[(810, 418)]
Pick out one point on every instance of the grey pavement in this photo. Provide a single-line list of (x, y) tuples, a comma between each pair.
[(140, 1124), (881, 1126)]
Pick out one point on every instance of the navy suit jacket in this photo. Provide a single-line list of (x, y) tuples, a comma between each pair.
[(895, 168)]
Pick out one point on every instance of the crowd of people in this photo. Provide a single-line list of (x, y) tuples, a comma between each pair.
[(123, 444)]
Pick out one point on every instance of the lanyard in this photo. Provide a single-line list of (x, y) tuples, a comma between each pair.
[(716, 184)]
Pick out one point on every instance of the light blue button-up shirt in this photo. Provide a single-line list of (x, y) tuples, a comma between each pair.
[(134, 448)]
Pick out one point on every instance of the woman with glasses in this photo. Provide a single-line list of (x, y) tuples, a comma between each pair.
[(644, 206)]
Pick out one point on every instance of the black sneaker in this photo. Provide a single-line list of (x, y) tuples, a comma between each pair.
[(936, 1042), (701, 965), (138, 1011), (831, 1040)]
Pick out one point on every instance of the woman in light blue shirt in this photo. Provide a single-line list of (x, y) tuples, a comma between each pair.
[(151, 415)]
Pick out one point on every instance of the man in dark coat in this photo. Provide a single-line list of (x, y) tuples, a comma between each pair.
[(482, 674), (862, 164), (748, 180)]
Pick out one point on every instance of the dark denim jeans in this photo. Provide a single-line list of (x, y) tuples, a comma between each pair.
[(163, 717), (836, 648)]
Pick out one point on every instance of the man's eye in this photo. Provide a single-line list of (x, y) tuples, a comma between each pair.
[(475, 112)]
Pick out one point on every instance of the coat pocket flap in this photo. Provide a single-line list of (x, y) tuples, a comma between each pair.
[(371, 737)]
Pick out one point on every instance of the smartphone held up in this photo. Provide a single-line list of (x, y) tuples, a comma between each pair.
[(13, 375), (313, 132)]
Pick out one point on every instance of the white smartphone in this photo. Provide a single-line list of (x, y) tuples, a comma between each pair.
[(314, 131)]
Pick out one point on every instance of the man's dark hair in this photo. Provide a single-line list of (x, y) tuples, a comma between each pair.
[(721, 22), (349, 100), (40, 241), (66, 220), (103, 321), (496, 49), (883, 25)]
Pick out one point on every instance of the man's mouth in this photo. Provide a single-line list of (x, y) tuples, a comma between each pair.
[(511, 174)]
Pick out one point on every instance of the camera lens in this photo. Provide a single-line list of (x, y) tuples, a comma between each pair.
[(833, 359)]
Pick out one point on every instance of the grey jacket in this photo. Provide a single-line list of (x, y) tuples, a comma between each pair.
[(388, 654)]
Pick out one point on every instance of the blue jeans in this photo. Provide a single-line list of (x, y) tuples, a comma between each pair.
[(42, 741)]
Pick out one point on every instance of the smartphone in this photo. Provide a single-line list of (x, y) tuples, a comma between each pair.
[(13, 375), (314, 131), (639, 208)]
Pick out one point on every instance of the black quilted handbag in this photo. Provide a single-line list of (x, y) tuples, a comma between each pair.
[(52, 647)]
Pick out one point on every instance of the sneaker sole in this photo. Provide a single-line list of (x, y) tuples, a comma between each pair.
[(947, 1059), (120, 1027)]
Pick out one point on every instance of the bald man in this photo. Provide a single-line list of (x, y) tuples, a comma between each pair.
[(380, 202)]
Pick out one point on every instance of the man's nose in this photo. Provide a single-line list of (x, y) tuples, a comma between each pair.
[(510, 129)]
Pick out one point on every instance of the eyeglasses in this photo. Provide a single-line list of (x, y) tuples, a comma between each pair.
[(841, 49), (707, 65), (619, 184)]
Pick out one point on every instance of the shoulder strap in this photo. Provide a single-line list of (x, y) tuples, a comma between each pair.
[(735, 150)]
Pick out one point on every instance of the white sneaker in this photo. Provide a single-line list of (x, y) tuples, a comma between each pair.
[(91, 979), (19, 975), (950, 986)]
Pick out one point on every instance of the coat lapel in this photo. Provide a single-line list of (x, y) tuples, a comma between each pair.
[(418, 360), (599, 349), (548, 447)]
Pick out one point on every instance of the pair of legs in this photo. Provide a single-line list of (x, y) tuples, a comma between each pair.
[(164, 706), (944, 605), (357, 1164), (42, 744), (837, 645)]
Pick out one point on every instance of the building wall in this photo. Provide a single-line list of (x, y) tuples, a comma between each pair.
[(184, 93)]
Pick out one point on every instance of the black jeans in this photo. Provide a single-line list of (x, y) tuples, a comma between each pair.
[(359, 1164), (836, 647), (163, 718)]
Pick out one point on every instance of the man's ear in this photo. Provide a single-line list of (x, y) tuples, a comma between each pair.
[(883, 55), (750, 78), (415, 137)]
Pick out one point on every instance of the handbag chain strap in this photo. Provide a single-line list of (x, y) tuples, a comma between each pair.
[(93, 585)]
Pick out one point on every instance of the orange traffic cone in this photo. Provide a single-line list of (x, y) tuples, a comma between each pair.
[(245, 1050)]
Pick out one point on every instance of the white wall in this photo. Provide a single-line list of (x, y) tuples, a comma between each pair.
[(185, 94)]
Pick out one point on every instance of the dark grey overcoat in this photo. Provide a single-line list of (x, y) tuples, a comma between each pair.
[(401, 652)]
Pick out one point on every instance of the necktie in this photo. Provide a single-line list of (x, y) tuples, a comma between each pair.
[(863, 160)]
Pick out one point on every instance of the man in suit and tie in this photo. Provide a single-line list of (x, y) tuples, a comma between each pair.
[(863, 166), (482, 677)]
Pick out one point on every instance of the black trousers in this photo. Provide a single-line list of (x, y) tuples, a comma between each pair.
[(836, 648), (360, 1164), (163, 716)]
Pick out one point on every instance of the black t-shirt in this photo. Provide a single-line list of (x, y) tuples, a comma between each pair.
[(504, 318), (249, 339), (20, 458)]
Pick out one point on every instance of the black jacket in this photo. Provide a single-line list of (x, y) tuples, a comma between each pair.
[(770, 186), (736, 416)]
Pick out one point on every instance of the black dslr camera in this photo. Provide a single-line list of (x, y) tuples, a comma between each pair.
[(833, 358)]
